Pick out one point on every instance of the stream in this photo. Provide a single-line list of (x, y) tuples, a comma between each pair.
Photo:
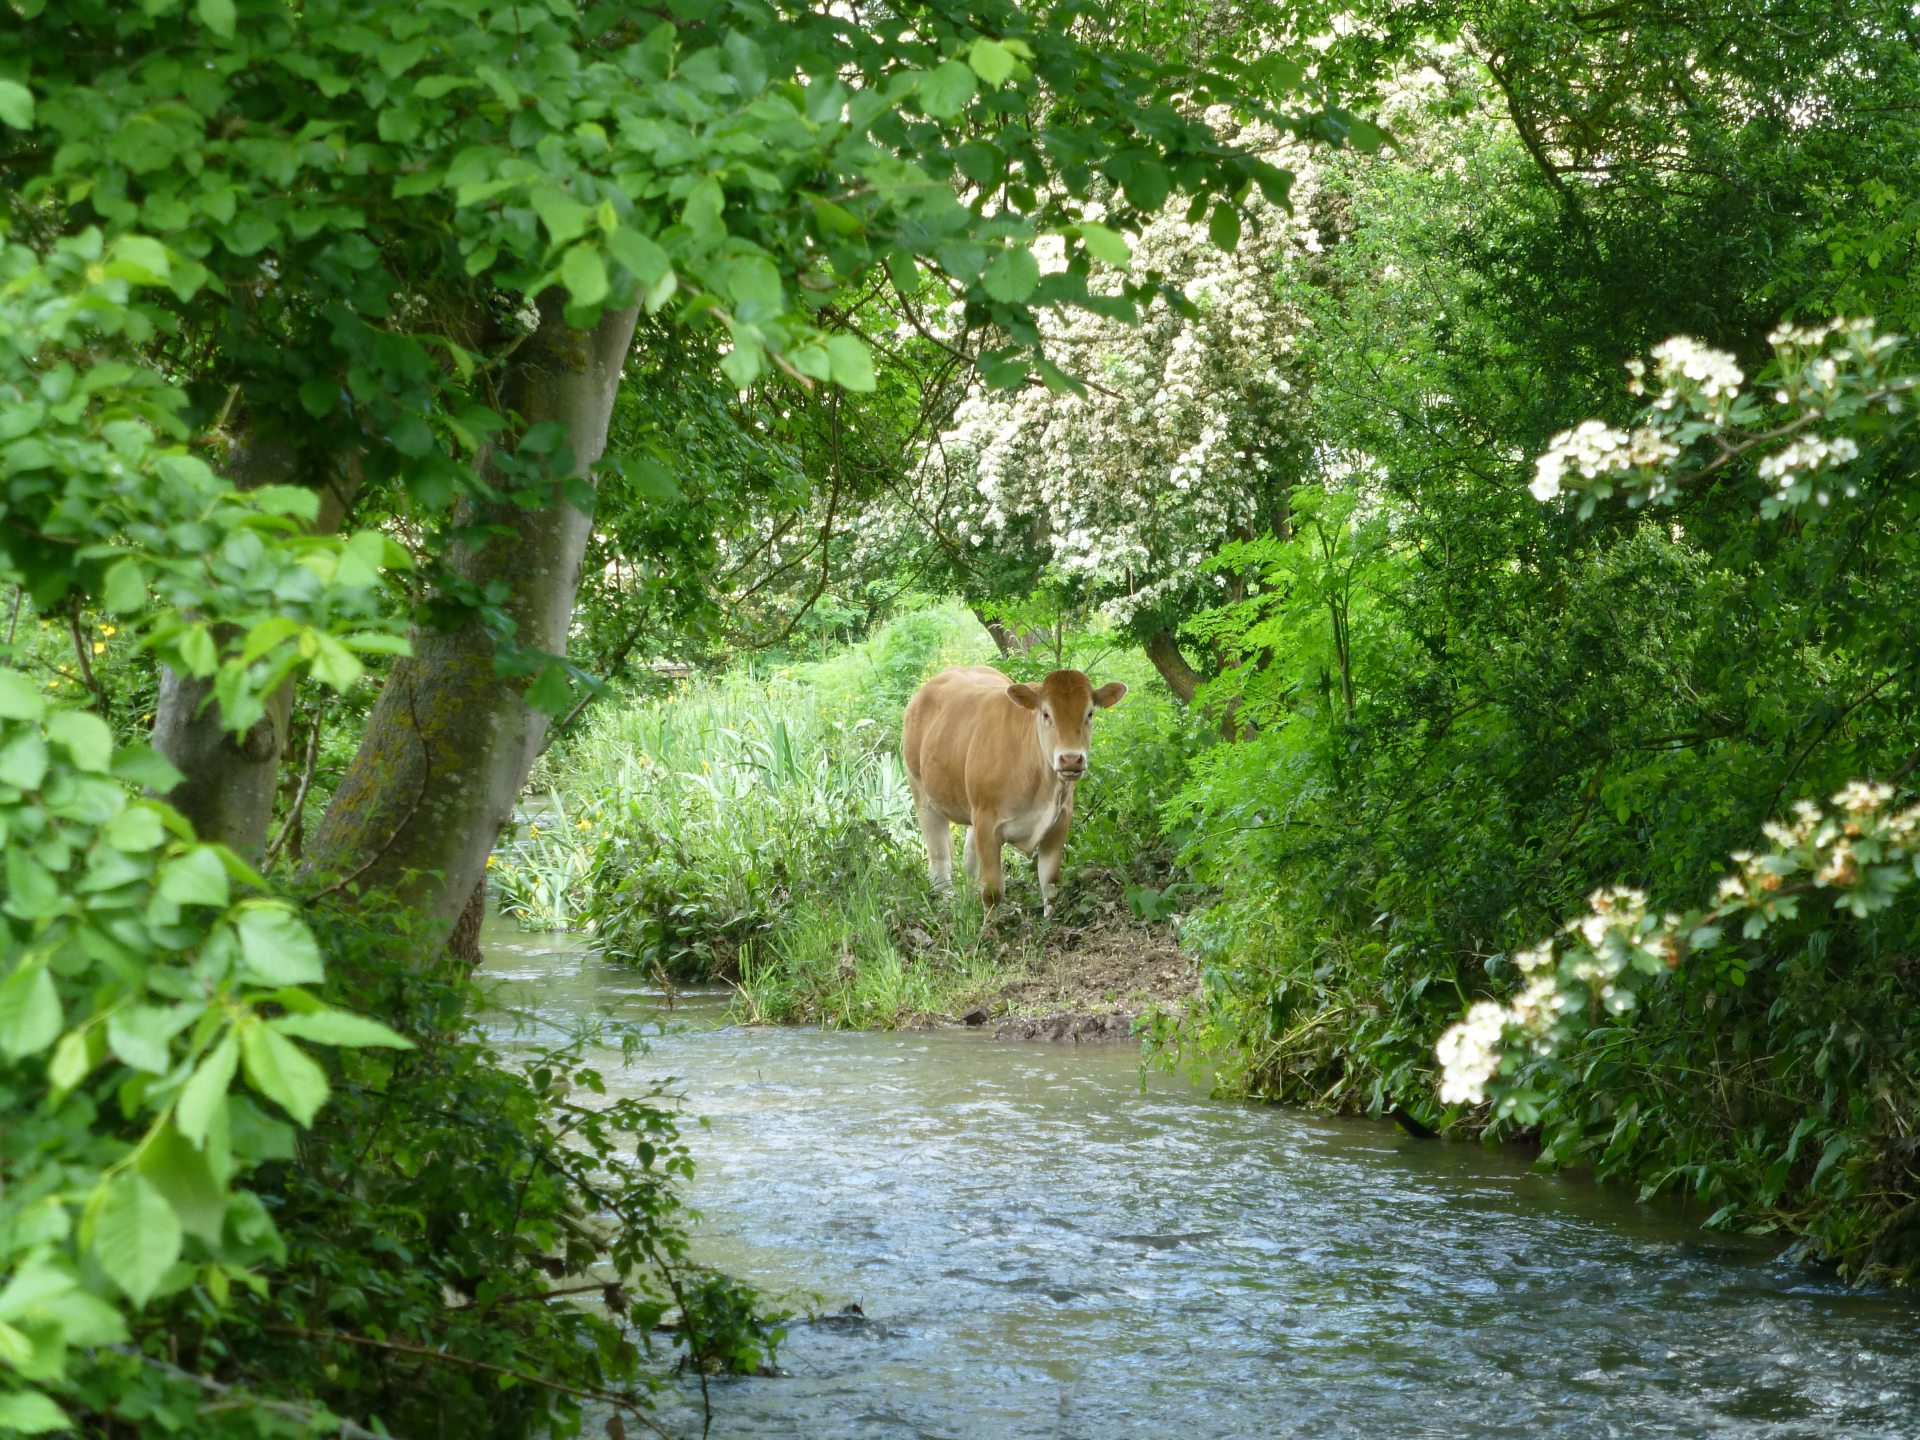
[(1043, 1248)]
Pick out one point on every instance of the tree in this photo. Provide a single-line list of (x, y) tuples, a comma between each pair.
[(313, 324)]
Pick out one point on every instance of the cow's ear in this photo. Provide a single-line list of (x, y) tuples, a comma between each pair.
[(1109, 694), (1025, 696)]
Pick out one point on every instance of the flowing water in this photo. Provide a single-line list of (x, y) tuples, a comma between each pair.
[(1042, 1248)]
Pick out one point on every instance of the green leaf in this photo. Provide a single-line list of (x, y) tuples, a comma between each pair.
[(142, 1035), (182, 1175), (23, 761), (584, 274), (136, 829), (646, 261), (31, 891), (195, 878), (28, 1412), (319, 395), (551, 693), (741, 364), (217, 16), (849, 364), (1106, 245), (20, 698), (126, 587), (87, 739), (945, 90), (197, 651), (29, 1010), (72, 1059), (565, 218), (1364, 135), (143, 765), (338, 1027), (1013, 275), (333, 664), (16, 105), (277, 946), (135, 1235), (206, 1092), (991, 60), (283, 1072), (705, 204), (1224, 227)]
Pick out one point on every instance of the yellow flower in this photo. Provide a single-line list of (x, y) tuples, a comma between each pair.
[(107, 629), (99, 647), (583, 825), (492, 860), (534, 830)]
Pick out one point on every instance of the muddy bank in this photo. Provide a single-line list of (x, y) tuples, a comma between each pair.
[(1086, 985)]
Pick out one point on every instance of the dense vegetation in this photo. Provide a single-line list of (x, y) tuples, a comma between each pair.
[(387, 387), (1493, 623)]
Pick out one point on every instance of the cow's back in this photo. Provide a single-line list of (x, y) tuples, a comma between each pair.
[(961, 713)]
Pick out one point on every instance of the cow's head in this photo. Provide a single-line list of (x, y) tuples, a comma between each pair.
[(1063, 706)]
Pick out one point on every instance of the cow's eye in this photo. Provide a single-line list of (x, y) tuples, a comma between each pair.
[(1089, 714)]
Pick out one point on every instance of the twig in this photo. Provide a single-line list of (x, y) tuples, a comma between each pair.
[(82, 653), (314, 1416), (1818, 740), (300, 795), (13, 624), (599, 1287), (624, 1400)]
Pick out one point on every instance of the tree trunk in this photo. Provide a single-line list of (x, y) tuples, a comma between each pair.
[(463, 944), (1002, 640), (1008, 643), (1185, 682), (449, 744), (231, 779), (1181, 678)]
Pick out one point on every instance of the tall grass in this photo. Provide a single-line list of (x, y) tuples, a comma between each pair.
[(757, 826)]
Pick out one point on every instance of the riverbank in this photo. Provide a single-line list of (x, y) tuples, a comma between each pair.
[(1082, 984)]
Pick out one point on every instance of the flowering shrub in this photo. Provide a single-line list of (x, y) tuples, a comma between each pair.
[(1833, 388), (1836, 391), (1859, 854), (1124, 491)]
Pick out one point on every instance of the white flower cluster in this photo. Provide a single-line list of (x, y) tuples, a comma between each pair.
[(1469, 1054), (1684, 364), (1129, 489), (1807, 455), (1594, 449), (1860, 849)]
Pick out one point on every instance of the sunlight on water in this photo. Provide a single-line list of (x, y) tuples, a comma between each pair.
[(1042, 1249)]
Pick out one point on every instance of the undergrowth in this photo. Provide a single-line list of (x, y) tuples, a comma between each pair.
[(471, 1240)]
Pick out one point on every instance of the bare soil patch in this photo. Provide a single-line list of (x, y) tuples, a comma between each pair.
[(1089, 984)]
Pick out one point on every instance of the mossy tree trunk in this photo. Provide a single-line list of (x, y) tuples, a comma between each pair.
[(231, 779), (449, 744)]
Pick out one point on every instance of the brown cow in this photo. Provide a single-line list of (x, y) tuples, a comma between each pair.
[(1001, 759)]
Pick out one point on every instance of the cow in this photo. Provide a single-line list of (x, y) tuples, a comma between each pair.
[(1001, 759)]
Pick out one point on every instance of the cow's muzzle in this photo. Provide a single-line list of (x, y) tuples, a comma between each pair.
[(1070, 767)]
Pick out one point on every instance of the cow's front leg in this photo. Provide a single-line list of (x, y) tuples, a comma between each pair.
[(983, 858), (1050, 851), (1047, 861)]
